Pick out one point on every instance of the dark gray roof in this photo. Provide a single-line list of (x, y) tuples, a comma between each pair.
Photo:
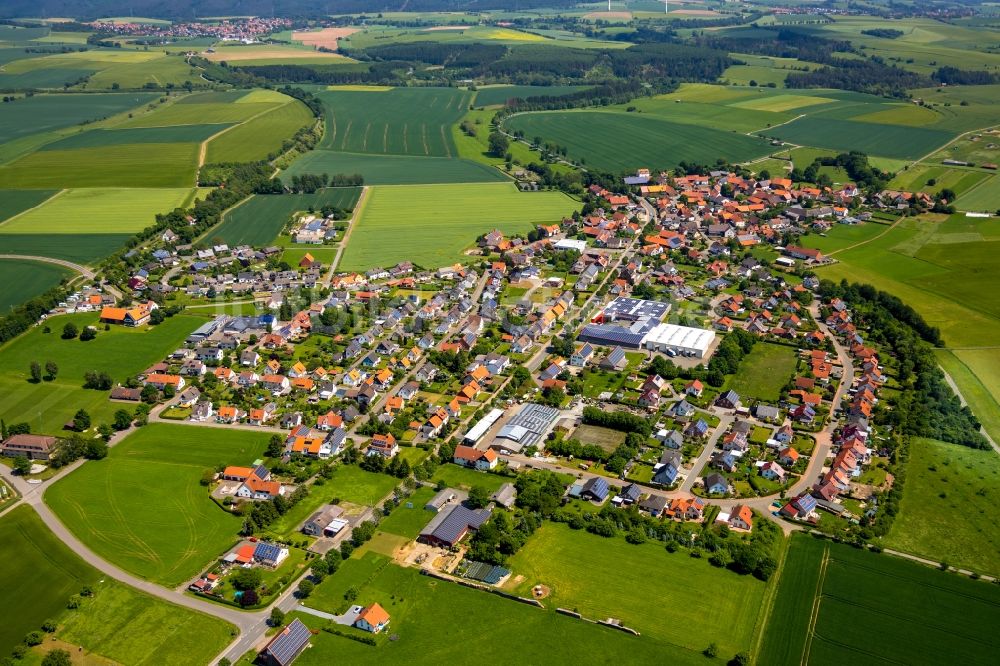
[(453, 523)]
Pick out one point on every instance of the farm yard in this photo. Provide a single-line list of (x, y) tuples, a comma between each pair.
[(48, 405), (431, 225), (834, 589), (86, 224), (258, 220), (400, 121), (143, 507), (945, 512), (678, 586)]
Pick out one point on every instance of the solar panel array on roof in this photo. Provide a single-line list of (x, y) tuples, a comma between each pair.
[(454, 523), (528, 425), (487, 573), (287, 645), (611, 334), (266, 552)]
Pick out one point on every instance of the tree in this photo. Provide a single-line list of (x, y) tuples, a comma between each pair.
[(57, 658), (81, 420), (96, 449), (156, 317), (479, 497), (741, 659), (87, 334), (149, 394), (277, 617), (51, 370), (306, 588), (275, 446), (499, 144), (122, 419), (70, 331), (711, 651), (248, 579), (36, 372), (22, 466)]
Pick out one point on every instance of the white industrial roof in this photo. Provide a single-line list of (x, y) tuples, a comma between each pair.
[(684, 337)]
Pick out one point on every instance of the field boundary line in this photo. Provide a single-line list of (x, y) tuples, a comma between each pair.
[(38, 205), (355, 219), (771, 595), (865, 242), (203, 149), (972, 189), (953, 140), (817, 598)]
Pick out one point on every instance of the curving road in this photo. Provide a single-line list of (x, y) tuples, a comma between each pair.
[(78, 268)]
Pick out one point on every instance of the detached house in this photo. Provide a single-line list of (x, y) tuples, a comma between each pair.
[(468, 456)]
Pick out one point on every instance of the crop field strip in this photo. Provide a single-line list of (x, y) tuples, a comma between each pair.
[(260, 135), (493, 95), (43, 113), (258, 220), (402, 121), (395, 169)]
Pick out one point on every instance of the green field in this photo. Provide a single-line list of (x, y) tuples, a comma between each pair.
[(258, 220), (423, 610), (143, 507), (845, 236), (140, 135), (15, 202), (624, 142), (589, 573), (942, 267), (43, 113), (407, 521), (40, 574), (394, 169), (911, 613), (260, 136), (353, 484), (21, 280), (132, 165), (764, 372), (897, 141), (917, 178), (984, 197), (83, 225), (49, 405), (493, 95), (431, 225), (948, 503), (464, 478), (400, 121)]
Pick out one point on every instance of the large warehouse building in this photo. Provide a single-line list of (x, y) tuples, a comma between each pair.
[(680, 339)]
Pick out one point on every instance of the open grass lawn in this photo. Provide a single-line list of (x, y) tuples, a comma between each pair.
[(14, 202), (42, 113), (948, 507), (941, 267), (620, 142), (143, 507), (83, 225), (394, 169), (48, 405), (259, 219), (493, 95), (21, 280), (40, 574), (261, 136), (463, 478), (407, 521), (432, 621), (132, 165), (353, 484), (605, 438), (911, 613), (763, 372), (431, 225), (603, 578), (401, 121)]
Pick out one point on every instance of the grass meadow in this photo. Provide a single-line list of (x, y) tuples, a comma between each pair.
[(624, 142), (260, 136), (21, 280), (46, 406), (86, 224), (431, 619), (394, 169), (431, 225), (259, 219), (400, 121), (464, 478), (764, 372), (589, 573), (947, 509), (118, 623), (941, 266), (143, 507)]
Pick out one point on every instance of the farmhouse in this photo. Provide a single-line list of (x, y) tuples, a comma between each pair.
[(32, 447), (468, 456), (134, 316)]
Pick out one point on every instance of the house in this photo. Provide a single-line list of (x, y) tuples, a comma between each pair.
[(32, 447), (654, 505), (595, 489), (469, 456), (202, 411), (665, 473), (262, 415), (630, 494), (161, 381), (690, 508), (286, 646), (698, 428), (582, 355), (766, 412), (694, 388), (134, 316), (325, 522), (741, 517), (788, 456), (729, 400), (773, 471), (671, 439), (383, 445), (188, 398), (681, 409), (615, 360), (229, 414), (269, 554), (505, 496), (276, 383), (372, 618), (800, 507), (258, 486), (716, 484)]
